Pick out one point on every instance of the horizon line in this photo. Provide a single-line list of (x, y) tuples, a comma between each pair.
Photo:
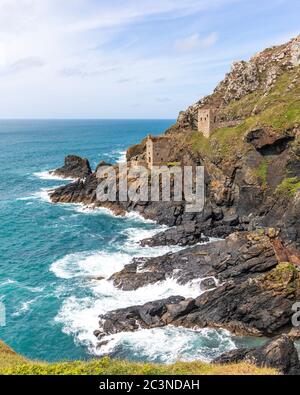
[(87, 119)]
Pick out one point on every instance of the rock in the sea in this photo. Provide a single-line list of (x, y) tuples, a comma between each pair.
[(208, 283), (184, 235), (239, 256), (279, 353), (74, 167), (252, 179), (132, 318), (261, 306)]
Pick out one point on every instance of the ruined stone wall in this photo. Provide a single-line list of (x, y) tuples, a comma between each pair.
[(206, 121), (149, 152), (157, 151)]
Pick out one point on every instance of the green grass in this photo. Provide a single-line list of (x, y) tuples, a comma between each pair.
[(262, 172), (173, 164), (288, 187), (284, 278), (13, 364), (278, 111)]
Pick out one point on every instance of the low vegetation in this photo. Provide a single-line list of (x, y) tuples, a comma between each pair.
[(262, 172), (279, 111), (284, 278), (13, 364), (288, 187)]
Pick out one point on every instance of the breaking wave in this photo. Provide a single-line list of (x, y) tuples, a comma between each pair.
[(45, 175), (90, 272), (79, 315)]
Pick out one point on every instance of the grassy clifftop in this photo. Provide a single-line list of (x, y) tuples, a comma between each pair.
[(277, 111), (263, 93), (13, 364)]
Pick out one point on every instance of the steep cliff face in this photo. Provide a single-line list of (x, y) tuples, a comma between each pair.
[(252, 189), (252, 170), (260, 75)]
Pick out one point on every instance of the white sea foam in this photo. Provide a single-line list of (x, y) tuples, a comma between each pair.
[(137, 217), (133, 217), (82, 264), (91, 210), (119, 156), (8, 282), (122, 157), (171, 344), (35, 289), (116, 298), (42, 194), (103, 263), (45, 175), (130, 216), (24, 308), (25, 198), (79, 317), (135, 235)]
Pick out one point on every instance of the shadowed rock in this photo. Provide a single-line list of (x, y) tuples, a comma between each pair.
[(239, 256), (280, 353), (257, 306), (74, 167), (183, 235)]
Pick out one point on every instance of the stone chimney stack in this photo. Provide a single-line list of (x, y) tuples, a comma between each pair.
[(207, 121)]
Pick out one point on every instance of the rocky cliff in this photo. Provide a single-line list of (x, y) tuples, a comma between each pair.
[(252, 169), (252, 179), (249, 83)]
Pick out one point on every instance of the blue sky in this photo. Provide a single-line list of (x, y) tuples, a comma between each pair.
[(127, 59)]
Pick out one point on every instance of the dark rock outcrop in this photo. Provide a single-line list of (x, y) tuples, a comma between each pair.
[(245, 173), (280, 353), (80, 191), (259, 75), (183, 235), (240, 256), (135, 317), (74, 167), (257, 306), (252, 197), (260, 306), (267, 142)]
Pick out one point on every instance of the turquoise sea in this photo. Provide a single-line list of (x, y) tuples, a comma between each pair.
[(48, 253)]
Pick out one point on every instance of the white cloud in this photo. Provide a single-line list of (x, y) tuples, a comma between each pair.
[(194, 41), (85, 71), (159, 80), (22, 65), (133, 11), (77, 57), (209, 41), (124, 80), (163, 99)]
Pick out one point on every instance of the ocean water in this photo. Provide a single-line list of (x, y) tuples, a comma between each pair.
[(49, 253)]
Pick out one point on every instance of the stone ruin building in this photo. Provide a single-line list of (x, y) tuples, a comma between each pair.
[(207, 121), (157, 151)]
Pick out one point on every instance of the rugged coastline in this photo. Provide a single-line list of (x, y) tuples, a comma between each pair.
[(250, 278)]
